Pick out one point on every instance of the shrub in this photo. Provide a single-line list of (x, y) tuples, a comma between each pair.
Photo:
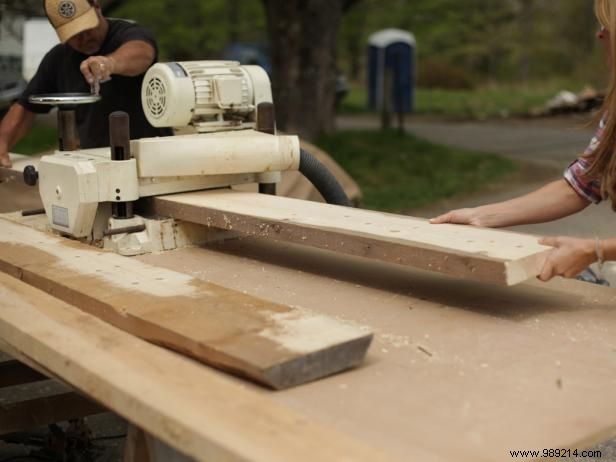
[(438, 73)]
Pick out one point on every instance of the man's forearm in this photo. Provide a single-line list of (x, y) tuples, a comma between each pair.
[(133, 58)]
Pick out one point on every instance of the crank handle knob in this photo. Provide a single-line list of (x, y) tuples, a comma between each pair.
[(30, 175)]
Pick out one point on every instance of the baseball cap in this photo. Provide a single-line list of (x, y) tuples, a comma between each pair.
[(70, 17)]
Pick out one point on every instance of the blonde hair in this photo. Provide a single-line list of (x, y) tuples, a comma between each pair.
[(603, 158)]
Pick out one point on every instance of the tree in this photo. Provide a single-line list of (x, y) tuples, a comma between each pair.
[(302, 34), (352, 40), (21, 7), (197, 29), (35, 7), (303, 37)]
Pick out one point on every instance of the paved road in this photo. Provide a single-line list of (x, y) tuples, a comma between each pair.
[(547, 142)]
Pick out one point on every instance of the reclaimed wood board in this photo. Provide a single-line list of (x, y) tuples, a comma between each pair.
[(276, 345), (198, 411), (468, 252)]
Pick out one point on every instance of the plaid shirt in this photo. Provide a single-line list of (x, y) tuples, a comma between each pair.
[(575, 174)]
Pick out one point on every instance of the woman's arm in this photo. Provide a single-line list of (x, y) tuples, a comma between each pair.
[(571, 255), (553, 201)]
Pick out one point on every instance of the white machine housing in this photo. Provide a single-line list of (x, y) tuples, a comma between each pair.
[(218, 101), (208, 95), (72, 184)]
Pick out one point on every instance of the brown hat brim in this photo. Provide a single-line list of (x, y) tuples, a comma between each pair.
[(88, 20)]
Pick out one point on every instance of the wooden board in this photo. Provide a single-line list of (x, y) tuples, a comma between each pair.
[(197, 410), (459, 370), (276, 345), (468, 252)]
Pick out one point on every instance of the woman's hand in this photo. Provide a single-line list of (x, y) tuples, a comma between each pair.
[(476, 216), (569, 257), (459, 217)]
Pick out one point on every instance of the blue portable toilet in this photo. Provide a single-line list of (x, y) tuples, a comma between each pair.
[(392, 51)]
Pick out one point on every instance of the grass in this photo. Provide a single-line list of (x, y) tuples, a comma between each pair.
[(497, 100), (398, 172), (41, 137)]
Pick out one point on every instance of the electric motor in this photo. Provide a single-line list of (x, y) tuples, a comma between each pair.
[(208, 95)]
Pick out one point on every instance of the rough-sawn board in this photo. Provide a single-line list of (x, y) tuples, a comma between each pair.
[(468, 252), (276, 345), (196, 410)]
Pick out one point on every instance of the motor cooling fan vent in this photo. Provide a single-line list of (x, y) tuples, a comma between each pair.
[(156, 97)]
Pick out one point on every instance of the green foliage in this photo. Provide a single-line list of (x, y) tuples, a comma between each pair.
[(509, 40), (438, 73), (487, 101), (472, 40), (491, 40), (41, 137), (399, 172), (355, 101), (197, 29)]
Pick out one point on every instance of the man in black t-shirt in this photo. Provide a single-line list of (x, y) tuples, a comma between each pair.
[(93, 49)]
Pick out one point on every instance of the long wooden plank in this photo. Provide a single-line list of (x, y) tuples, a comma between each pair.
[(195, 409), (279, 346), (489, 255)]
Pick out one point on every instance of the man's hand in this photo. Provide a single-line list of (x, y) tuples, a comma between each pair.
[(97, 68), (131, 59), (13, 127), (569, 257), (5, 160)]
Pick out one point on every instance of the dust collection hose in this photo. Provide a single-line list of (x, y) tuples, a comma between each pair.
[(322, 179)]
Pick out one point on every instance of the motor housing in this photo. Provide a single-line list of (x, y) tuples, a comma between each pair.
[(207, 95)]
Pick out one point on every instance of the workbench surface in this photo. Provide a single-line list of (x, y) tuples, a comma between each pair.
[(458, 370)]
